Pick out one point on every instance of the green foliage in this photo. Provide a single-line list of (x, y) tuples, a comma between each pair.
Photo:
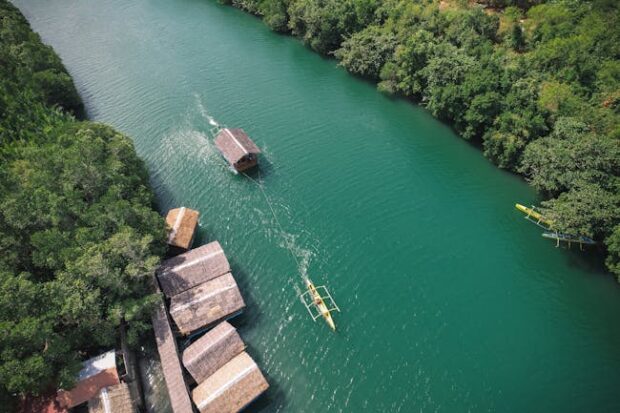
[(79, 240), (517, 39), (366, 52), (613, 247), (585, 210), (536, 82), (570, 157)]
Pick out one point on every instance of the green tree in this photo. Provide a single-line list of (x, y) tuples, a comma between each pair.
[(365, 52), (79, 239), (571, 157), (613, 246), (586, 210)]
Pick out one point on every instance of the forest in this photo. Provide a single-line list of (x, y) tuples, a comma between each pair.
[(79, 238), (535, 84)]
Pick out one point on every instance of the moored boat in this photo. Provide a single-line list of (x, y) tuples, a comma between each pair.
[(533, 215), (539, 219)]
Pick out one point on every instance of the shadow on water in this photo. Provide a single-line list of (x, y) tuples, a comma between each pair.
[(251, 314), (264, 170), (591, 260), (163, 196), (156, 395), (274, 395)]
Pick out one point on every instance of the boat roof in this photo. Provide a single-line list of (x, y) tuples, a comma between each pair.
[(182, 223), (211, 351), (207, 303), (234, 144), (192, 268)]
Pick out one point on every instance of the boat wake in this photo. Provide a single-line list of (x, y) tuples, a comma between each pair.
[(303, 256), (203, 111)]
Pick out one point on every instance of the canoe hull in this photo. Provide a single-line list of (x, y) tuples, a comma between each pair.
[(320, 304)]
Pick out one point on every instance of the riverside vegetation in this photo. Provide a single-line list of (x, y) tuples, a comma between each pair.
[(79, 238), (77, 233), (535, 83)]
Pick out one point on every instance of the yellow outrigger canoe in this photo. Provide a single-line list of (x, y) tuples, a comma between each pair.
[(547, 224), (534, 216), (318, 302)]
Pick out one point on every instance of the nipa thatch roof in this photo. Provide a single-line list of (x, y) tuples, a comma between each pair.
[(192, 268), (170, 363), (207, 303), (97, 373), (211, 351), (235, 144), (182, 224), (115, 399), (231, 388)]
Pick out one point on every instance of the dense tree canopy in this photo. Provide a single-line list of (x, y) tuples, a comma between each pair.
[(536, 83), (79, 239)]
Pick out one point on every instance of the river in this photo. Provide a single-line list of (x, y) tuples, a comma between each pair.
[(451, 301)]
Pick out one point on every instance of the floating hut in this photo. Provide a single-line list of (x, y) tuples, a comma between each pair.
[(114, 399), (237, 148), (182, 223), (212, 351), (96, 374), (170, 363), (231, 388), (207, 303), (192, 268)]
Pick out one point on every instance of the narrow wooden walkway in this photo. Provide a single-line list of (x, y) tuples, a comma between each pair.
[(170, 361)]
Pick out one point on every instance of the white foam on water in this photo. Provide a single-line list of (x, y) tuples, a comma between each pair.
[(203, 111), (303, 256)]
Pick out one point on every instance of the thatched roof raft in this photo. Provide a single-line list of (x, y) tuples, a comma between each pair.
[(182, 223), (237, 148), (216, 348), (207, 303), (115, 399), (231, 388), (192, 268), (170, 363)]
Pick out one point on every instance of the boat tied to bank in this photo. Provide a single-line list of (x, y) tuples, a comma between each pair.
[(569, 239), (319, 303), (534, 215)]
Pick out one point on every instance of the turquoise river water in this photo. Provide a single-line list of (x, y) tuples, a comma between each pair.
[(451, 302)]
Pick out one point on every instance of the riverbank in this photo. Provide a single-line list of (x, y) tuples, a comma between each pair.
[(79, 235), (503, 78)]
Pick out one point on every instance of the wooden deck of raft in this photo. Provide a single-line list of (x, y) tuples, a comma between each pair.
[(171, 366), (202, 293)]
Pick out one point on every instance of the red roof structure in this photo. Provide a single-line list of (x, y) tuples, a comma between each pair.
[(96, 374)]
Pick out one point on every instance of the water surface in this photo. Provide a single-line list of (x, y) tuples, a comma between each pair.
[(451, 301)]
